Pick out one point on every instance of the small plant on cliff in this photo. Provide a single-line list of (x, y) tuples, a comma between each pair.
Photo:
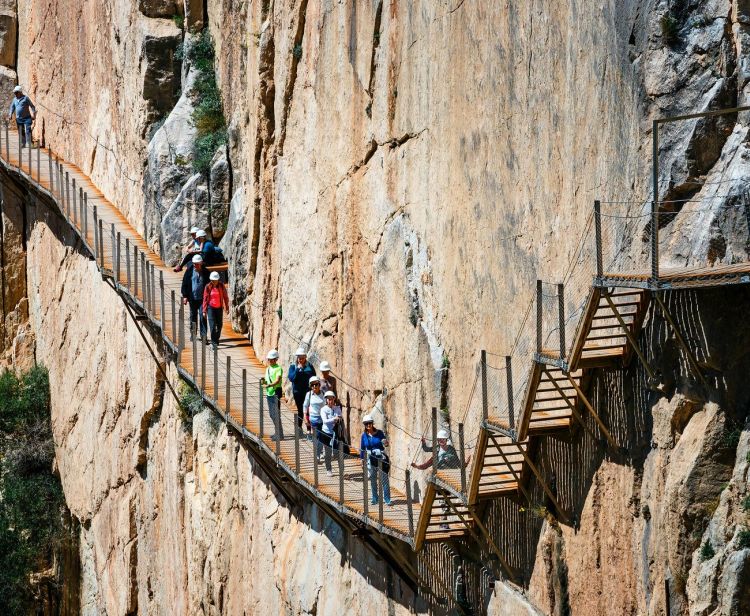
[(743, 538), (31, 498), (179, 21), (191, 402), (669, 29), (297, 51), (208, 113), (707, 551), (746, 503)]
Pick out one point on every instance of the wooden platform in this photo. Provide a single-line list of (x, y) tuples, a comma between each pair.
[(680, 277), (600, 340), (229, 380), (444, 517)]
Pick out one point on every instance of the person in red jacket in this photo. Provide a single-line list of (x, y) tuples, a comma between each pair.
[(215, 302)]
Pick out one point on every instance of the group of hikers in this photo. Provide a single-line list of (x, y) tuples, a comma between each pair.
[(316, 398), (204, 291)]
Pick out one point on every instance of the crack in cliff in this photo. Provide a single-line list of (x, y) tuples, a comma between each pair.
[(291, 81), (373, 65)]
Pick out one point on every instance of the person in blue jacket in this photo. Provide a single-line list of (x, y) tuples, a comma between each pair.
[(372, 446), (299, 376), (25, 113)]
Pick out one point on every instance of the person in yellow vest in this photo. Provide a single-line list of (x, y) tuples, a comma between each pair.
[(272, 379)]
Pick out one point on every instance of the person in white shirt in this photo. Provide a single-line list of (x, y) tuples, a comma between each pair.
[(330, 414), (314, 401)]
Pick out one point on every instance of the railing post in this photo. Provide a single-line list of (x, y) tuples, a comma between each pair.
[(113, 236), (260, 406), (152, 295), (244, 399), (194, 343), (655, 206), (561, 317), (101, 244), (315, 466), (380, 474), (365, 480), (20, 152), (119, 257), (216, 375), (135, 268), (96, 242), (81, 214), (509, 379), (341, 472), (174, 324), (162, 320), (462, 453), (30, 147), (409, 507), (38, 165), (228, 393), (86, 216), (483, 372), (7, 143), (75, 204), (203, 361), (181, 334), (296, 452), (434, 441), (67, 193), (49, 167), (539, 300), (598, 236), (144, 281)]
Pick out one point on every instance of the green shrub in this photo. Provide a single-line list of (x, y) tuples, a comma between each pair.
[(179, 21), (707, 551), (746, 503), (31, 499), (208, 114), (743, 538), (669, 29), (191, 402), (297, 51)]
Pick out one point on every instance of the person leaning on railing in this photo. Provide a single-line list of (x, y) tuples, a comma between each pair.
[(272, 381), (372, 446), (446, 453), (25, 113)]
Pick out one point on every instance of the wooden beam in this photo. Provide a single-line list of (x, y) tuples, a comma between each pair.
[(513, 472), (534, 378), (477, 465), (545, 487), (631, 339), (575, 412), (424, 516), (589, 406)]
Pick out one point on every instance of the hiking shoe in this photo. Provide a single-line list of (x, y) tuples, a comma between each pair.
[(374, 501), (387, 502), (329, 473)]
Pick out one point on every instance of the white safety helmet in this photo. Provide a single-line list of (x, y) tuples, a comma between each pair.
[(329, 394), (214, 276), (313, 379), (17, 89), (368, 419), (325, 366), (443, 434), (194, 230), (197, 259), (200, 233), (272, 354), (301, 351)]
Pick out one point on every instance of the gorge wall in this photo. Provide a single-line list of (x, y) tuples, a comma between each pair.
[(430, 161)]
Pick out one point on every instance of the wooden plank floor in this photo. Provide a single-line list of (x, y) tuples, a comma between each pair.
[(235, 358), (683, 277)]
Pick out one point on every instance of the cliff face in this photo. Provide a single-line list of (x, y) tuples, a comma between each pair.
[(429, 160)]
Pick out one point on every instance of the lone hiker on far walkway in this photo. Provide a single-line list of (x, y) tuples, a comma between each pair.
[(299, 375), (194, 282), (272, 380), (25, 115)]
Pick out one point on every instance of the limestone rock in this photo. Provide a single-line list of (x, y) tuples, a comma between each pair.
[(160, 70), (8, 33), (158, 8), (8, 80), (219, 183), (190, 208)]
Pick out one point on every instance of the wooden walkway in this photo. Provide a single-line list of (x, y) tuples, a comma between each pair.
[(229, 379)]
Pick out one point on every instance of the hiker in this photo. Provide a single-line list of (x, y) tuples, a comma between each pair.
[(327, 380), (299, 375), (194, 282), (312, 406), (272, 379), (373, 444), (446, 453), (330, 415), (25, 115), (193, 248), (215, 302)]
